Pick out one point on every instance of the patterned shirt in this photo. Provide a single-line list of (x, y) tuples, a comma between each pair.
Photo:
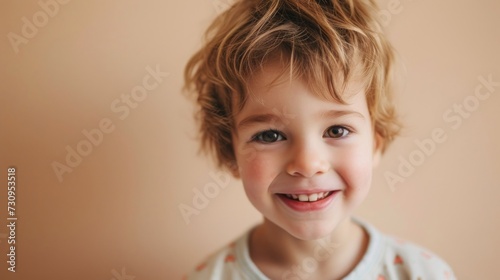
[(386, 258)]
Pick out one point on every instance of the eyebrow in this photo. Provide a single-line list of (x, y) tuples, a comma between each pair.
[(341, 113), (272, 118), (259, 118)]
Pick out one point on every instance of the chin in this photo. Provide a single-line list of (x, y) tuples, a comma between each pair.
[(308, 232)]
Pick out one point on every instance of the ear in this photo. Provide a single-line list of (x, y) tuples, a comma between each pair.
[(234, 169), (377, 149), (235, 173)]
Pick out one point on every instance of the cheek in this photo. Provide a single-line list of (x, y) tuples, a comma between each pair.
[(257, 174), (356, 168)]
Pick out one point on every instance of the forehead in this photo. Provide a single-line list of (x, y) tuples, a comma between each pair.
[(274, 94), (276, 80)]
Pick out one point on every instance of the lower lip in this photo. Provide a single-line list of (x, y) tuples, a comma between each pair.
[(306, 206)]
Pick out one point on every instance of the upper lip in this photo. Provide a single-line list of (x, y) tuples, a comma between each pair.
[(286, 184), (308, 192)]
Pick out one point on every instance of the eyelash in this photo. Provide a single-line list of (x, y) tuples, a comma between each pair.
[(255, 137)]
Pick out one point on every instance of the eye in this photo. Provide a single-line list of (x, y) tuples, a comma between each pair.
[(268, 136), (336, 131)]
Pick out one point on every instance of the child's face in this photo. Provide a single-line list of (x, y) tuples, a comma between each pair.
[(291, 145)]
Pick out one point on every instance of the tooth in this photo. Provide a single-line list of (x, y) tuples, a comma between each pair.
[(313, 197), (288, 195), (303, 197), (295, 196), (321, 195)]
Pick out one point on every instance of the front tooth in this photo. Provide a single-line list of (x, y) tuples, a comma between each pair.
[(303, 197), (313, 197)]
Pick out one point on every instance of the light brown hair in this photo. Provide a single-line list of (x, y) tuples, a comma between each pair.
[(326, 43)]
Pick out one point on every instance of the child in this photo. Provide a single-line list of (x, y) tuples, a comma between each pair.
[(295, 99)]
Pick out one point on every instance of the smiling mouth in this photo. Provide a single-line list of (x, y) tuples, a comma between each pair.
[(308, 197)]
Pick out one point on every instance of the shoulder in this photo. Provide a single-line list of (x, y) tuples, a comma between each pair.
[(232, 262), (216, 265), (404, 257), (390, 257)]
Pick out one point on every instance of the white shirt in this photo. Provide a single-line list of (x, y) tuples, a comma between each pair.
[(386, 258)]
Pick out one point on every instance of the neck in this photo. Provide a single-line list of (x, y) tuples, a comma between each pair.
[(277, 253)]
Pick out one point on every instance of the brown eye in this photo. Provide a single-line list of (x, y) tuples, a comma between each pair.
[(268, 136), (336, 132)]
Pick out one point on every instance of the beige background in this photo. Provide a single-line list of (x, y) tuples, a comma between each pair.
[(118, 209)]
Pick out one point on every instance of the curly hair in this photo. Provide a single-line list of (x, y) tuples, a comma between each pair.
[(326, 43)]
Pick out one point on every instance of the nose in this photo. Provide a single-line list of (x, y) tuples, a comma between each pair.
[(308, 159)]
